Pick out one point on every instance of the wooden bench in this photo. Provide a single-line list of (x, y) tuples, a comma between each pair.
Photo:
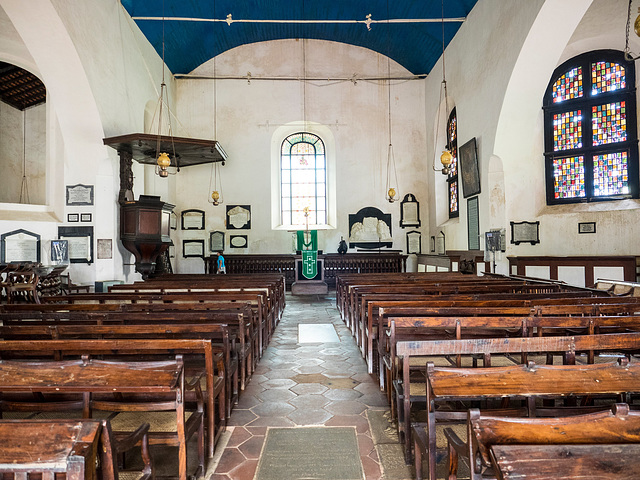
[(108, 386), (529, 382), (619, 426), (67, 449), (203, 359)]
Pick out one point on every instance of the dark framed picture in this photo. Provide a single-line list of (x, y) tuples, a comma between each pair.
[(193, 219), (192, 248), (73, 217), (80, 241), (587, 227), (85, 217), (468, 164), (525, 232), (79, 194), (59, 251), (238, 241)]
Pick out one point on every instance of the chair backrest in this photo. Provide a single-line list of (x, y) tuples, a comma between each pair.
[(618, 425)]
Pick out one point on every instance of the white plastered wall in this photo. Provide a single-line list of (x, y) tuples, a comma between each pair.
[(497, 91), (99, 72), (254, 117)]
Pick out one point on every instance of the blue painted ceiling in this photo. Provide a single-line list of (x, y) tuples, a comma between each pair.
[(188, 44)]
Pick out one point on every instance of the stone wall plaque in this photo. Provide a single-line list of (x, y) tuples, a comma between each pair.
[(79, 194), (20, 246), (80, 243)]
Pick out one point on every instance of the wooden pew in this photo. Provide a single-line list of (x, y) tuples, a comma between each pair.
[(619, 426), (67, 449), (408, 392), (99, 380), (126, 342), (527, 382)]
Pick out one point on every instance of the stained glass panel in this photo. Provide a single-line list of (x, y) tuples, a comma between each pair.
[(568, 86), (453, 197), (610, 174), (567, 130), (569, 177), (609, 123), (452, 139), (607, 77)]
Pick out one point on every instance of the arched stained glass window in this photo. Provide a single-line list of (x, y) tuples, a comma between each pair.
[(591, 140), (452, 179), (303, 174)]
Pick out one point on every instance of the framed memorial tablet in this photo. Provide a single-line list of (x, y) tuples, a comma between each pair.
[(73, 217), (105, 247), (80, 243), (525, 232), (192, 248), (216, 241), (192, 219), (414, 242), (238, 241), (85, 217), (79, 194), (20, 246), (587, 227), (409, 211), (238, 217)]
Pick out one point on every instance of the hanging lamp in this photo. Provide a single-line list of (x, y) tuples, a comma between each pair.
[(215, 180), (391, 187), (163, 159), (446, 158)]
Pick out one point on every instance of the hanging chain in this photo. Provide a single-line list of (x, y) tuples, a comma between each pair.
[(627, 50)]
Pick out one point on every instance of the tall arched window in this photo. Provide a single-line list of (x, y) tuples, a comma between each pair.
[(303, 177), (452, 179), (591, 137)]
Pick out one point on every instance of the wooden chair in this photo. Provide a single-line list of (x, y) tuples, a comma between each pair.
[(23, 283), (70, 449), (616, 426)]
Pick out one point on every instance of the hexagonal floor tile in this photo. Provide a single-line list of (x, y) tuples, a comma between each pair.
[(309, 401), (312, 416)]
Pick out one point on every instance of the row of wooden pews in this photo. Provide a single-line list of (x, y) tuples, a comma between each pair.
[(494, 339), (179, 349)]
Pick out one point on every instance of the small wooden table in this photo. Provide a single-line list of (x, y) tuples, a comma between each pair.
[(50, 448), (88, 377), (565, 462)]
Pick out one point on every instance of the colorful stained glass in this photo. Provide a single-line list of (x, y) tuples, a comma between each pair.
[(452, 143), (609, 123), (568, 174), (567, 130), (453, 197), (607, 77), (610, 174), (568, 86)]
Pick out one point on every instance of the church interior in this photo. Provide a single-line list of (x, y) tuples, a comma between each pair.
[(160, 157)]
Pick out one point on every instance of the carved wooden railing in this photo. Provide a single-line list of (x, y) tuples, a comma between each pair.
[(334, 264)]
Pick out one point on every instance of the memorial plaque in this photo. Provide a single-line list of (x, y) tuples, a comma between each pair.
[(414, 242), (192, 248), (20, 246), (80, 243), (216, 241), (523, 232), (238, 217), (79, 194), (105, 246), (193, 219)]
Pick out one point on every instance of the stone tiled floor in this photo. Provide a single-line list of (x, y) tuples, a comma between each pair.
[(303, 384)]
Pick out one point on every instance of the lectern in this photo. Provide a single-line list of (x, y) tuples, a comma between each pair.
[(144, 230)]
